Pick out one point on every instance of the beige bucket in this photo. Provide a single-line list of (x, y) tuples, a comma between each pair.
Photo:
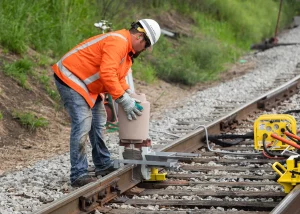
[(135, 130)]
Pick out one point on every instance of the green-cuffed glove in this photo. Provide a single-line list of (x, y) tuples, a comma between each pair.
[(139, 107), (130, 106)]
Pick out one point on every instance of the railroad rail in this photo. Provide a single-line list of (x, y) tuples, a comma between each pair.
[(109, 188)]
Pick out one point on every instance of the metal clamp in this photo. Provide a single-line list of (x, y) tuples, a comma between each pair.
[(99, 196)]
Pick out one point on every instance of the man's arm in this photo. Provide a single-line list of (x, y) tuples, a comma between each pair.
[(113, 52)]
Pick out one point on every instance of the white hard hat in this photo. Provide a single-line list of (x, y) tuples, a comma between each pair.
[(152, 29)]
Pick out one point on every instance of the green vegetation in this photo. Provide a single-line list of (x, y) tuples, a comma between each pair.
[(29, 120), (201, 62), (19, 70), (47, 26), (1, 115), (148, 73), (219, 32), (44, 79)]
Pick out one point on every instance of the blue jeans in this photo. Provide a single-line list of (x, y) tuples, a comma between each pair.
[(85, 121)]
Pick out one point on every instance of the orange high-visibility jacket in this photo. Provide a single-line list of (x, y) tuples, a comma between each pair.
[(97, 65)]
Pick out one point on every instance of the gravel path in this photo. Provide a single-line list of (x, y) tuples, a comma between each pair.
[(24, 191)]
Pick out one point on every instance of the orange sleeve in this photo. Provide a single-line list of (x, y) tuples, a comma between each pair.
[(113, 52), (124, 84)]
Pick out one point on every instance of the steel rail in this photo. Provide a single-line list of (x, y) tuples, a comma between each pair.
[(121, 180), (290, 204)]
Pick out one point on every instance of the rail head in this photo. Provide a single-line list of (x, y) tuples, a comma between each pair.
[(290, 204)]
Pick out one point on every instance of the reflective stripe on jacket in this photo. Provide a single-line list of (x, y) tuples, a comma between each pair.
[(97, 65)]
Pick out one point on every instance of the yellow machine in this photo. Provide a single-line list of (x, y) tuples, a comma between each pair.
[(155, 176), (273, 123), (290, 176)]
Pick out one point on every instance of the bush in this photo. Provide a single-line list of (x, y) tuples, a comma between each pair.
[(54, 27), (29, 120), (250, 20), (19, 70), (143, 70), (47, 26), (202, 61)]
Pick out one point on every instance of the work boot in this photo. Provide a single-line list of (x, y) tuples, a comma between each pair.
[(83, 181), (110, 168)]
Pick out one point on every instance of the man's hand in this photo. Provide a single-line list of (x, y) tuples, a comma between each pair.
[(130, 106)]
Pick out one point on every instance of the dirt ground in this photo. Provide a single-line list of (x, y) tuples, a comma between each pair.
[(20, 147)]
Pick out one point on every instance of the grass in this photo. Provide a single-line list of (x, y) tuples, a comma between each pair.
[(44, 79), (19, 70), (29, 120), (203, 61), (143, 70), (223, 29), (1, 115), (52, 27), (43, 60)]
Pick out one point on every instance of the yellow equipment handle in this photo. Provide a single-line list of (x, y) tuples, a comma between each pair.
[(274, 166)]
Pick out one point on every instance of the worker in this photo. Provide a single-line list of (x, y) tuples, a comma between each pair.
[(99, 65)]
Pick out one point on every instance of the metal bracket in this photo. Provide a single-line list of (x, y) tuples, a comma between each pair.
[(169, 164), (165, 156), (99, 196), (163, 159)]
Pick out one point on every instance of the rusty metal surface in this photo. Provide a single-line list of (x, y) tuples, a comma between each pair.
[(290, 204), (70, 204), (210, 193), (191, 203), (250, 177), (132, 211)]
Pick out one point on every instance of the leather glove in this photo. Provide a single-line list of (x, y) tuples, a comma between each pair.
[(130, 106)]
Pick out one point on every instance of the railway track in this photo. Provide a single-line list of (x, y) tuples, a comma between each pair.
[(214, 182)]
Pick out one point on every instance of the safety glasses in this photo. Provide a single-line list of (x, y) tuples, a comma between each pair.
[(147, 40)]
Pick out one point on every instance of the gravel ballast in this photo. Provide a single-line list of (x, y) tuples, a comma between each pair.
[(24, 191)]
